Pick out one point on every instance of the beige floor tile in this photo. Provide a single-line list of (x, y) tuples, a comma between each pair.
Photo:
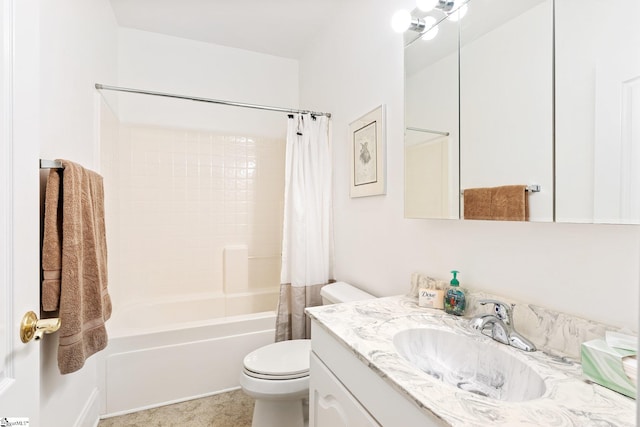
[(232, 409)]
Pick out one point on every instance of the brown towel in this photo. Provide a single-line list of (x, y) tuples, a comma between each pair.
[(477, 203), (83, 301), (51, 244), (506, 203)]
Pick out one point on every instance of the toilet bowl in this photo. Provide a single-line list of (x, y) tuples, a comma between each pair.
[(277, 375)]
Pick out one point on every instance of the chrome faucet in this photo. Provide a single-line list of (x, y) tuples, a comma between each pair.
[(499, 326)]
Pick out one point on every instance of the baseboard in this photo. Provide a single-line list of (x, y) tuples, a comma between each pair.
[(90, 414)]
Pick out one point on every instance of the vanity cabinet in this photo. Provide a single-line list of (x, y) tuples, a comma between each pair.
[(330, 403), (344, 391)]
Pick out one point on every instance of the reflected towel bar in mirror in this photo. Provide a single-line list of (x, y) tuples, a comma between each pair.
[(437, 132), (534, 188)]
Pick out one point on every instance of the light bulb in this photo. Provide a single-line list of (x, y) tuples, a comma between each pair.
[(458, 14), (430, 34), (429, 22), (426, 5), (401, 21)]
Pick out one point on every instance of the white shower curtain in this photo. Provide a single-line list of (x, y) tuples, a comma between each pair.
[(307, 238)]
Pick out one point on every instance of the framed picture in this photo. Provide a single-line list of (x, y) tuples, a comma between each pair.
[(367, 146)]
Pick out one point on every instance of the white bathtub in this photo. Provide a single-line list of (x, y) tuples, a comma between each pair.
[(166, 352)]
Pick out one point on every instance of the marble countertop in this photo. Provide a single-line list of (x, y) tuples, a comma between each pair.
[(367, 328)]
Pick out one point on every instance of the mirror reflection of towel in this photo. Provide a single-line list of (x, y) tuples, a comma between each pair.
[(506, 203)]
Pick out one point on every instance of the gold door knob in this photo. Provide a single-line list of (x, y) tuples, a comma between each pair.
[(31, 327)]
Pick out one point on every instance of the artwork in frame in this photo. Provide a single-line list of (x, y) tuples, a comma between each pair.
[(367, 146)]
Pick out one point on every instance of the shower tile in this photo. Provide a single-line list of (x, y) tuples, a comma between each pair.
[(230, 195), (230, 172), (205, 146), (218, 148), (230, 184), (192, 166), (242, 219), (264, 272), (198, 189), (241, 162), (242, 195), (235, 268), (205, 183), (218, 170), (242, 231)]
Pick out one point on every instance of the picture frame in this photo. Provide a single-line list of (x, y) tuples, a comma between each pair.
[(368, 157)]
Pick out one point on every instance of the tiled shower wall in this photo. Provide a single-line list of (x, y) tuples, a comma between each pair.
[(180, 197)]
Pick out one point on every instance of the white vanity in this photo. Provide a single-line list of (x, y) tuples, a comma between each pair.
[(360, 378), (346, 392)]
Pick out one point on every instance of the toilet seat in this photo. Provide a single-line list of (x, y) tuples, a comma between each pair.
[(275, 377), (283, 360)]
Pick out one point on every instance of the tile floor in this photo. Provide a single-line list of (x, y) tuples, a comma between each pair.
[(232, 409)]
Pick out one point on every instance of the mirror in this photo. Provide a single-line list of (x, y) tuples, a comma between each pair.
[(431, 118), (597, 75), (577, 135), (464, 127), (506, 99)]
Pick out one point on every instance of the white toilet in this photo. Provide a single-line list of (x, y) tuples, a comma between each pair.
[(277, 375)]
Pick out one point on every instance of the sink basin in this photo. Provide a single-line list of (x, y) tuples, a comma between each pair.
[(469, 364)]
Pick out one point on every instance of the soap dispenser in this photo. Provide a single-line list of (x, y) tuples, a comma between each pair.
[(455, 300)]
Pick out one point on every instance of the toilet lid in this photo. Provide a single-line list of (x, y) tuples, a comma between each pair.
[(281, 359)]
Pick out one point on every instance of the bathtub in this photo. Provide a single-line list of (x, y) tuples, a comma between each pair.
[(165, 351)]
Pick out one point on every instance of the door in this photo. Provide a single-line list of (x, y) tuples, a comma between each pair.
[(19, 209)]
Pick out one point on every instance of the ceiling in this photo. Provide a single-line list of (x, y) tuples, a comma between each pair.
[(275, 27)]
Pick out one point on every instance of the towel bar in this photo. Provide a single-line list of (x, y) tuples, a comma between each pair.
[(50, 164), (533, 188)]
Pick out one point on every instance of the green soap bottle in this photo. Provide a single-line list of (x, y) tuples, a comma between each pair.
[(455, 300)]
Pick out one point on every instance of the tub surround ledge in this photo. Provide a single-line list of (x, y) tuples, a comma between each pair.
[(366, 329)]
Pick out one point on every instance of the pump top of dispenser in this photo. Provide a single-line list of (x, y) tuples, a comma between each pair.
[(454, 281)]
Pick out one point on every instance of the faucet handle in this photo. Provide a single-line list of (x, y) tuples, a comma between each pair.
[(502, 310)]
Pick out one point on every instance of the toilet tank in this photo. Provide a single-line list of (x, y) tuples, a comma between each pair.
[(342, 292)]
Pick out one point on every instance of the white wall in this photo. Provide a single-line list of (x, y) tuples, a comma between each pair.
[(175, 65), (78, 43), (588, 270)]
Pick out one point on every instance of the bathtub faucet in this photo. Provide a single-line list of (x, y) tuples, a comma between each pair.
[(499, 326)]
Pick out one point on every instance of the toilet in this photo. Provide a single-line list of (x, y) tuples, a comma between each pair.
[(277, 375)]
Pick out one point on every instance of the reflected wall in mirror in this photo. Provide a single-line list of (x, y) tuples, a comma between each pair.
[(598, 111), (431, 149), (506, 99)]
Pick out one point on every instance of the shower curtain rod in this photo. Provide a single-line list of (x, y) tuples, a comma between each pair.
[(211, 101)]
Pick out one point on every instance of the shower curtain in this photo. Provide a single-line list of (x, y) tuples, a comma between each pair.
[(307, 238)]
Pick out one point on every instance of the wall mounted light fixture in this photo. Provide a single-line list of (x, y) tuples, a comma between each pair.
[(403, 20)]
